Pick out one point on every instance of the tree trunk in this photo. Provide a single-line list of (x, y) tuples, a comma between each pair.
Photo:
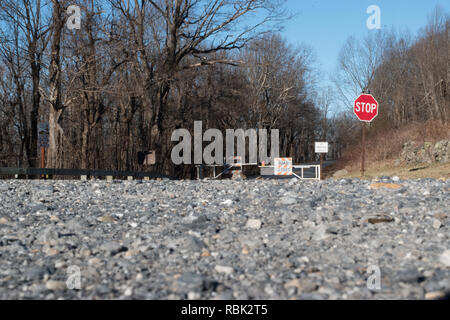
[(54, 154), (33, 160), (56, 107)]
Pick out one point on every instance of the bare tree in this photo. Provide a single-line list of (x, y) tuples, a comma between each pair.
[(196, 28), (27, 23), (323, 102), (56, 109), (431, 56), (358, 61)]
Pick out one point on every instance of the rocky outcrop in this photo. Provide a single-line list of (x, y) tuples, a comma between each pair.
[(340, 173), (428, 152)]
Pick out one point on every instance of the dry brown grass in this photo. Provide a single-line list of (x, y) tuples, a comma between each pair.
[(387, 145), (388, 169)]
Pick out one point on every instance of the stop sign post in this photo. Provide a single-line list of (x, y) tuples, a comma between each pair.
[(366, 109)]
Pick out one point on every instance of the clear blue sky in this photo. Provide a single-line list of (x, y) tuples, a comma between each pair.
[(324, 25)]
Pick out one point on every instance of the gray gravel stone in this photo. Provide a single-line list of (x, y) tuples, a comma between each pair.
[(189, 282)]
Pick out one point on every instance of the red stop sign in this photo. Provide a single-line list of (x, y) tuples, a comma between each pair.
[(366, 107)]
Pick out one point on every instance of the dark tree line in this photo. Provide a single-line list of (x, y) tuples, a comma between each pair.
[(138, 69)]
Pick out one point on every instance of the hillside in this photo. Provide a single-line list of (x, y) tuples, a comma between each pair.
[(417, 150)]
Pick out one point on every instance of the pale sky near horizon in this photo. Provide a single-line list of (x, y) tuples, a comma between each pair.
[(324, 25)]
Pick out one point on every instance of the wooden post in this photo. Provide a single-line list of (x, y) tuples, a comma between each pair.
[(42, 157), (42, 160), (363, 146), (321, 166)]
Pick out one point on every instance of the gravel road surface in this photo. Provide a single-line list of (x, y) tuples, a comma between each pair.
[(254, 239)]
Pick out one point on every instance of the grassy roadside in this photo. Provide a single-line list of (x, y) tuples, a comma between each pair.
[(387, 168)]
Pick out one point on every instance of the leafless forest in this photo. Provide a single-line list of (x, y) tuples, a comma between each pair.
[(138, 69)]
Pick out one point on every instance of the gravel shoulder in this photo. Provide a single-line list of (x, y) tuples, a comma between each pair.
[(254, 239), (404, 171)]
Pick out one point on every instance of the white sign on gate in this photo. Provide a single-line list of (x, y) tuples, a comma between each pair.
[(283, 167), (321, 147)]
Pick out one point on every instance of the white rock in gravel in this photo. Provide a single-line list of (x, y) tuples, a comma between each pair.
[(309, 224), (227, 202), (444, 258), (395, 179), (193, 295), (254, 224), (287, 200), (55, 285), (128, 292), (320, 233), (436, 224), (224, 269)]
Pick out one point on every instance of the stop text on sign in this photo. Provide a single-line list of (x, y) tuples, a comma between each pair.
[(365, 107)]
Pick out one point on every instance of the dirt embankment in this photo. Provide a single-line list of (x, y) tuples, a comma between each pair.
[(414, 151)]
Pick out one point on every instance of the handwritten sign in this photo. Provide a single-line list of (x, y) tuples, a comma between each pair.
[(283, 167)]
